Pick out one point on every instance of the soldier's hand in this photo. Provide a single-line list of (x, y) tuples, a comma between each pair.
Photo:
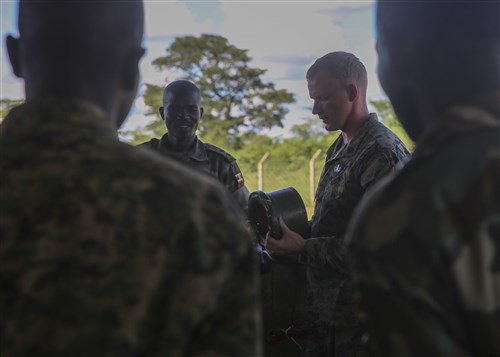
[(290, 243)]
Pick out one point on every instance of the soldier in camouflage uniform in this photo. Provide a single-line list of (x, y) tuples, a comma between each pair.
[(365, 151), (182, 113), (427, 241), (107, 250)]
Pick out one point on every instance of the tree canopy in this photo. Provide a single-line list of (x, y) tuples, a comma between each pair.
[(235, 97)]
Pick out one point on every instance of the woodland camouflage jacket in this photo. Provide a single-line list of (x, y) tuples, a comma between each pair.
[(427, 243), (108, 250), (350, 169)]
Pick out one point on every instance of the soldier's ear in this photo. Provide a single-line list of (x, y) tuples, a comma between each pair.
[(12, 45), (201, 112), (352, 92), (160, 110)]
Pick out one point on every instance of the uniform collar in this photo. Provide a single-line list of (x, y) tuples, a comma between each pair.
[(339, 145), (358, 137), (196, 152)]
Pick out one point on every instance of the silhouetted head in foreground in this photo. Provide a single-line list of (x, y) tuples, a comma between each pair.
[(435, 54), (84, 50)]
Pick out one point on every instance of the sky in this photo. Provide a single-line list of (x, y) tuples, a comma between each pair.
[(284, 37)]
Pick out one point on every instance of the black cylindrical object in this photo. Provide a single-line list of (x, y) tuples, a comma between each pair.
[(264, 210)]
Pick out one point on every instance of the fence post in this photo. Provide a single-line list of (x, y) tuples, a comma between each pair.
[(260, 170), (312, 175)]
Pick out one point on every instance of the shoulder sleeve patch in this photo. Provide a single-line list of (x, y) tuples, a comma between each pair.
[(221, 152), (239, 178)]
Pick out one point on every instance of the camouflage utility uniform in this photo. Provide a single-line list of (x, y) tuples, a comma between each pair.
[(210, 159), (107, 250), (349, 170), (427, 243)]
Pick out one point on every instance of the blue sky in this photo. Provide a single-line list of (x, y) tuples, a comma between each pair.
[(284, 37)]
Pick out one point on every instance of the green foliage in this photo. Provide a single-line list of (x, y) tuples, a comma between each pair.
[(287, 165), (388, 117), (7, 104), (234, 95), (153, 98), (311, 128)]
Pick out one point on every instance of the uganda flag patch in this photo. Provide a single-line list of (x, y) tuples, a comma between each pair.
[(239, 178)]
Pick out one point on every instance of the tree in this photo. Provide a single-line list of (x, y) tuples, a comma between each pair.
[(235, 97), (310, 128)]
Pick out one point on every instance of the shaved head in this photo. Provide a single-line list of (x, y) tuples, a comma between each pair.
[(83, 20), (342, 65), (75, 48), (436, 54), (444, 23), (181, 86), (74, 32), (440, 29)]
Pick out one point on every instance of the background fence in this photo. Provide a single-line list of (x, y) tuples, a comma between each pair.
[(267, 174)]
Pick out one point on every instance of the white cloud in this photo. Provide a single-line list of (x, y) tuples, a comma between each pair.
[(172, 19), (279, 30), (295, 32), (148, 73), (163, 22), (11, 86), (134, 121), (367, 54)]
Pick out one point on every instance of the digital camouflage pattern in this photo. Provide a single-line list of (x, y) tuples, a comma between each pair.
[(210, 159), (427, 243), (349, 170), (107, 250)]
